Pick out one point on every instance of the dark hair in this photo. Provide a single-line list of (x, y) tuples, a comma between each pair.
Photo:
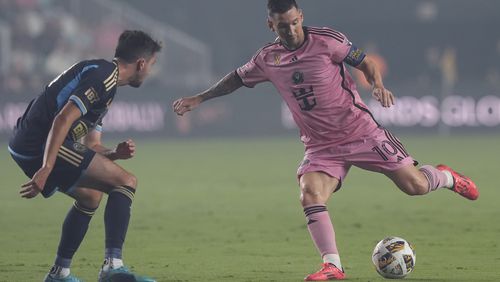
[(280, 6), (134, 44)]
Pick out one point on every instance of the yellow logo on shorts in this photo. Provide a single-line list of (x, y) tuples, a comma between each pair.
[(80, 148)]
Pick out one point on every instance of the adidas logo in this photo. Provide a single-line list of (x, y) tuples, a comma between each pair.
[(294, 59), (311, 221)]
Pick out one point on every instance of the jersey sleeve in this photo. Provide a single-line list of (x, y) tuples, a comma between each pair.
[(342, 50), (253, 72), (98, 125), (91, 89)]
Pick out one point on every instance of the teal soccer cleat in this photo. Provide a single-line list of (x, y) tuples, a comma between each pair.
[(69, 278), (121, 274)]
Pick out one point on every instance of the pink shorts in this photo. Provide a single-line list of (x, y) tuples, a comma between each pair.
[(380, 153)]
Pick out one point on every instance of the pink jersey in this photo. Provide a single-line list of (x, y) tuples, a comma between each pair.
[(316, 86)]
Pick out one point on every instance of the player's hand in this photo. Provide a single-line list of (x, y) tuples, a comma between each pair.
[(125, 150), (384, 96), (35, 185), (186, 104)]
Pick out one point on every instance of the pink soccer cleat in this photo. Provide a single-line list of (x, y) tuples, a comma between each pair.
[(327, 272), (462, 184)]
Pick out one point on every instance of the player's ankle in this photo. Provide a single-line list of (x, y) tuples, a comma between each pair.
[(112, 263), (449, 179), (333, 259), (59, 272)]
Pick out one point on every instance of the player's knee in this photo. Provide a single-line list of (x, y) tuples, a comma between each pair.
[(90, 200), (311, 195), (130, 180)]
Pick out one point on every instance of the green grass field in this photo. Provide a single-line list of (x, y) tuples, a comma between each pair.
[(213, 210)]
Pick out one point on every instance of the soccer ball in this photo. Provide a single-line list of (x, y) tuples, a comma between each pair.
[(394, 257)]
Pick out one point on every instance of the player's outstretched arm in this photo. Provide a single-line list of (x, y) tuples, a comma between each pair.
[(124, 150), (225, 86), (373, 76)]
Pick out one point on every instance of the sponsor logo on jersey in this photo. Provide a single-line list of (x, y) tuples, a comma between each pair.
[(91, 95)]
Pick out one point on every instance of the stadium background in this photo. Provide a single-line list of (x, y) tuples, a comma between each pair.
[(232, 161), (441, 58)]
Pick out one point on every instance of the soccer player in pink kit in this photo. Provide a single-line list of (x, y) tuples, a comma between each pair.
[(307, 67)]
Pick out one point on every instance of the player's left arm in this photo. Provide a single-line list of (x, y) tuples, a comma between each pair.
[(344, 51), (122, 151), (373, 76)]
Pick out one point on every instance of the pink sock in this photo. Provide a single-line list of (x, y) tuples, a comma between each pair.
[(321, 229), (435, 177)]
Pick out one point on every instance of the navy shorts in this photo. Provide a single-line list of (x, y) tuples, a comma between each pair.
[(72, 160)]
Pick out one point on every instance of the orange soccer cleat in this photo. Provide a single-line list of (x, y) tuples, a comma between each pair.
[(462, 184), (327, 272)]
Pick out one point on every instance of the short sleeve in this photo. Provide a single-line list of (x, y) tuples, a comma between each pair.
[(98, 126), (337, 43), (253, 72), (90, 90), (341, 49)]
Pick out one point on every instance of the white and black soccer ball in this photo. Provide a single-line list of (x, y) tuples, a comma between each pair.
[(394, 257)]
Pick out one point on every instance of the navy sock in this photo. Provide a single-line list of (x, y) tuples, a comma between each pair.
[(74, 228), (116, 218)]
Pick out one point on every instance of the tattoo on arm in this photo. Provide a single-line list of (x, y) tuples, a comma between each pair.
[(225, 86)]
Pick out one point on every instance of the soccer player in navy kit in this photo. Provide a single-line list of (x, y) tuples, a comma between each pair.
[(57, 143)]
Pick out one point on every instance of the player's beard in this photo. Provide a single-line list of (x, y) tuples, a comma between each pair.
[(135, 81), (291, 42), (135, 84)]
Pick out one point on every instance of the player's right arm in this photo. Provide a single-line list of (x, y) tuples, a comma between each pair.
[(58, 132), (230, 83), (249, 75)]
